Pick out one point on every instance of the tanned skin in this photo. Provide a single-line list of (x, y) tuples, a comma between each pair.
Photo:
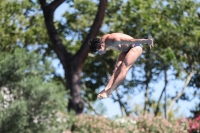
[(126, 59)]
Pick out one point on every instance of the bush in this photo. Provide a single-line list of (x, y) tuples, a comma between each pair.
[(194, 125), (97, 124), (30, 102)]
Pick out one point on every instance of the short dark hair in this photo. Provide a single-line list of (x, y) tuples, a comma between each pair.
[(94, 44)]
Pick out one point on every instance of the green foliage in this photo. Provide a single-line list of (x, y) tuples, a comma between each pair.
[(174, 26), (29, 101), (77, 21), (22, 25)]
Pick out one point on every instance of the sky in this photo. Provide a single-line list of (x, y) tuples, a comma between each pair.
[(113, 108)]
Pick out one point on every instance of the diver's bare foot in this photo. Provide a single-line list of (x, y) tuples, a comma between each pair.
[(102, 94)]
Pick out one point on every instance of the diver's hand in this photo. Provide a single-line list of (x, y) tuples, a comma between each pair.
[(150, 43)]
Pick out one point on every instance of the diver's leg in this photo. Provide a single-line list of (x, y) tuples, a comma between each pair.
[(121, 72), (115, 73)]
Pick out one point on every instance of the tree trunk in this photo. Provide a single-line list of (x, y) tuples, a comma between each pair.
[(146, 99), (74, 84), (148, 76)]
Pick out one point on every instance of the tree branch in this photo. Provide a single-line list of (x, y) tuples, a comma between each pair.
[(122, 107), (91, 106), (56, 3), (146, 99), (82, 53), (56, 42), (43, 3), (181, 92), (164, 88)]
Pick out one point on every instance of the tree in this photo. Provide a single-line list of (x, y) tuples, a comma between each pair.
[(174, 27), (168, 22), (21, 26), (72, 64), (30, 101)]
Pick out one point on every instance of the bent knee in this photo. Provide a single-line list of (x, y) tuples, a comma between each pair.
[(125, 66), (137, 50)]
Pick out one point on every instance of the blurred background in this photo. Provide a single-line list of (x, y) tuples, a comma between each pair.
[(48, 76)]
